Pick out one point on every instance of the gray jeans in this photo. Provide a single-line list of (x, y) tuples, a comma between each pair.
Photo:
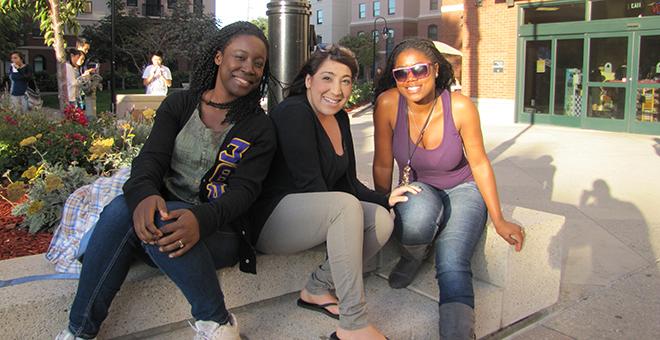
[(354, 232)]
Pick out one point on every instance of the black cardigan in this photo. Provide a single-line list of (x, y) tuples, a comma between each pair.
[(303, 154), (250, 161)]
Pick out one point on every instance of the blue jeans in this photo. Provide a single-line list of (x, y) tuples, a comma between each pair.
[(114, 245), (454, 219)]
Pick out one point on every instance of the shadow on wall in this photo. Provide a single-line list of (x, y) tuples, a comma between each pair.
[(657, 146)]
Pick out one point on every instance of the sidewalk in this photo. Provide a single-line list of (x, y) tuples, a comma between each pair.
[(607, 186)]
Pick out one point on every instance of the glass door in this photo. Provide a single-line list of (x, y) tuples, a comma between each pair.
[(538, 77), (645, 105), (569, 79), (608, 82)]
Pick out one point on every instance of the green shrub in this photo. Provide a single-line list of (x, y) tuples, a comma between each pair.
[(179, 77), (46, 81), (362, 93)]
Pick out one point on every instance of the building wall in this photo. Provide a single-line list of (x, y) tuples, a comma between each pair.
[(336, 19)]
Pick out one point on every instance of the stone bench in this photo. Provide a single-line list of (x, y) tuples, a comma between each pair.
[(508, 286), (39, 310)]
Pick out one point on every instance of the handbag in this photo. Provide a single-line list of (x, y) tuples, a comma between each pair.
[(34, 97)]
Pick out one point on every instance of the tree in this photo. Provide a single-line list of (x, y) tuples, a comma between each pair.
[(13, 29), (54, 16), (262, 23), (363, 48), (180, 36)]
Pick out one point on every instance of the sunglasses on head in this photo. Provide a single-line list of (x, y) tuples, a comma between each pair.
[(419, 71)]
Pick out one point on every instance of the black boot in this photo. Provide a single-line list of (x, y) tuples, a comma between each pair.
[(456, 321), (412, 258)]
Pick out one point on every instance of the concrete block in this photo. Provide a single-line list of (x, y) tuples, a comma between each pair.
[(39, 310), (129, 104), (276, 275), (490, 259), (533, 275), (488, 298), (400, 314)]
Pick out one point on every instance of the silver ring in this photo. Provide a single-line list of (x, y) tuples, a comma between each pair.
[(181, 245)]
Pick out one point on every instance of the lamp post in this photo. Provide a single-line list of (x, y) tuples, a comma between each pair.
[(288, 34), (113, 97), (374, 34)]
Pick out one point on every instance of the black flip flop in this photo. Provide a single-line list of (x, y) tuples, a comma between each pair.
[(318, 308), (334, 336)]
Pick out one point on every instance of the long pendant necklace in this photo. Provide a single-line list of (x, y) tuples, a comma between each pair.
[(407, 170)]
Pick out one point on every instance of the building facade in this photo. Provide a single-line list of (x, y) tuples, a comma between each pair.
[(580, 63), (330, 20), (400, 19)]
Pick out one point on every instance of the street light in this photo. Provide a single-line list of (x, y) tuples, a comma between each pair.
[(113, 97), (374, 34)]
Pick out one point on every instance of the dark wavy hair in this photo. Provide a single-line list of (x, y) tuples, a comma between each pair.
[(72, 52), (445, 73), (333, 52), (19, 54), (206, 71)]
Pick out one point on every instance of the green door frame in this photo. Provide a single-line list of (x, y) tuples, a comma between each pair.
[(633, 28), (634, 125), (604, 123)]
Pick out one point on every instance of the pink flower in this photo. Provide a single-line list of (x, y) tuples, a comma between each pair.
[(10, 120)]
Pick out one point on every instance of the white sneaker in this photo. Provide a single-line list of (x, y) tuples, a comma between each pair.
[(66, 335), (210, 330)]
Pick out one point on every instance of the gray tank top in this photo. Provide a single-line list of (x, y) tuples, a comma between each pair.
[(195, 150)]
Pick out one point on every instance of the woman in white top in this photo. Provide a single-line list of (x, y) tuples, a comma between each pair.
[(75, 59)]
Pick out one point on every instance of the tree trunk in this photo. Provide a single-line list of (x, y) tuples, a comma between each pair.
[(60, 54)]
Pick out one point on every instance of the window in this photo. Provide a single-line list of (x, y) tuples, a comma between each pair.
[(132, 3), (376, 8), (171, 4), (87, 9), (39, 63), (319, 16), (360, 34), (36, 30), (432, 32), (433, 5), (389, 43), (362, 11), (391, 6), (611, 9), (555, 13)]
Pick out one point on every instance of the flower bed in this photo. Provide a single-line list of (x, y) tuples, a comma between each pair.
[(16, 242), (44, 159)]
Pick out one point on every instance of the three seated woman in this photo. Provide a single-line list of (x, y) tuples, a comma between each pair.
[(219, 180)]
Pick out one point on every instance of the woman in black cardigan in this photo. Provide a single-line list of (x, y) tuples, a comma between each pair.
[(199, 171), (312, 194)]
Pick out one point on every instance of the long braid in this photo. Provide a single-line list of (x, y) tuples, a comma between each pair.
[(206, 71), (445, 73)]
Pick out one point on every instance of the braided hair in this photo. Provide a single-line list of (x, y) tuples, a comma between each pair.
[(206, 71), (445, 73)]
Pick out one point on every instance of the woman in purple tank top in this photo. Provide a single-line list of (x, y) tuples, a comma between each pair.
[(435, 138)]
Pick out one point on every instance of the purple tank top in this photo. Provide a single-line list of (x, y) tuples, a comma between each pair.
[(443, 167)]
